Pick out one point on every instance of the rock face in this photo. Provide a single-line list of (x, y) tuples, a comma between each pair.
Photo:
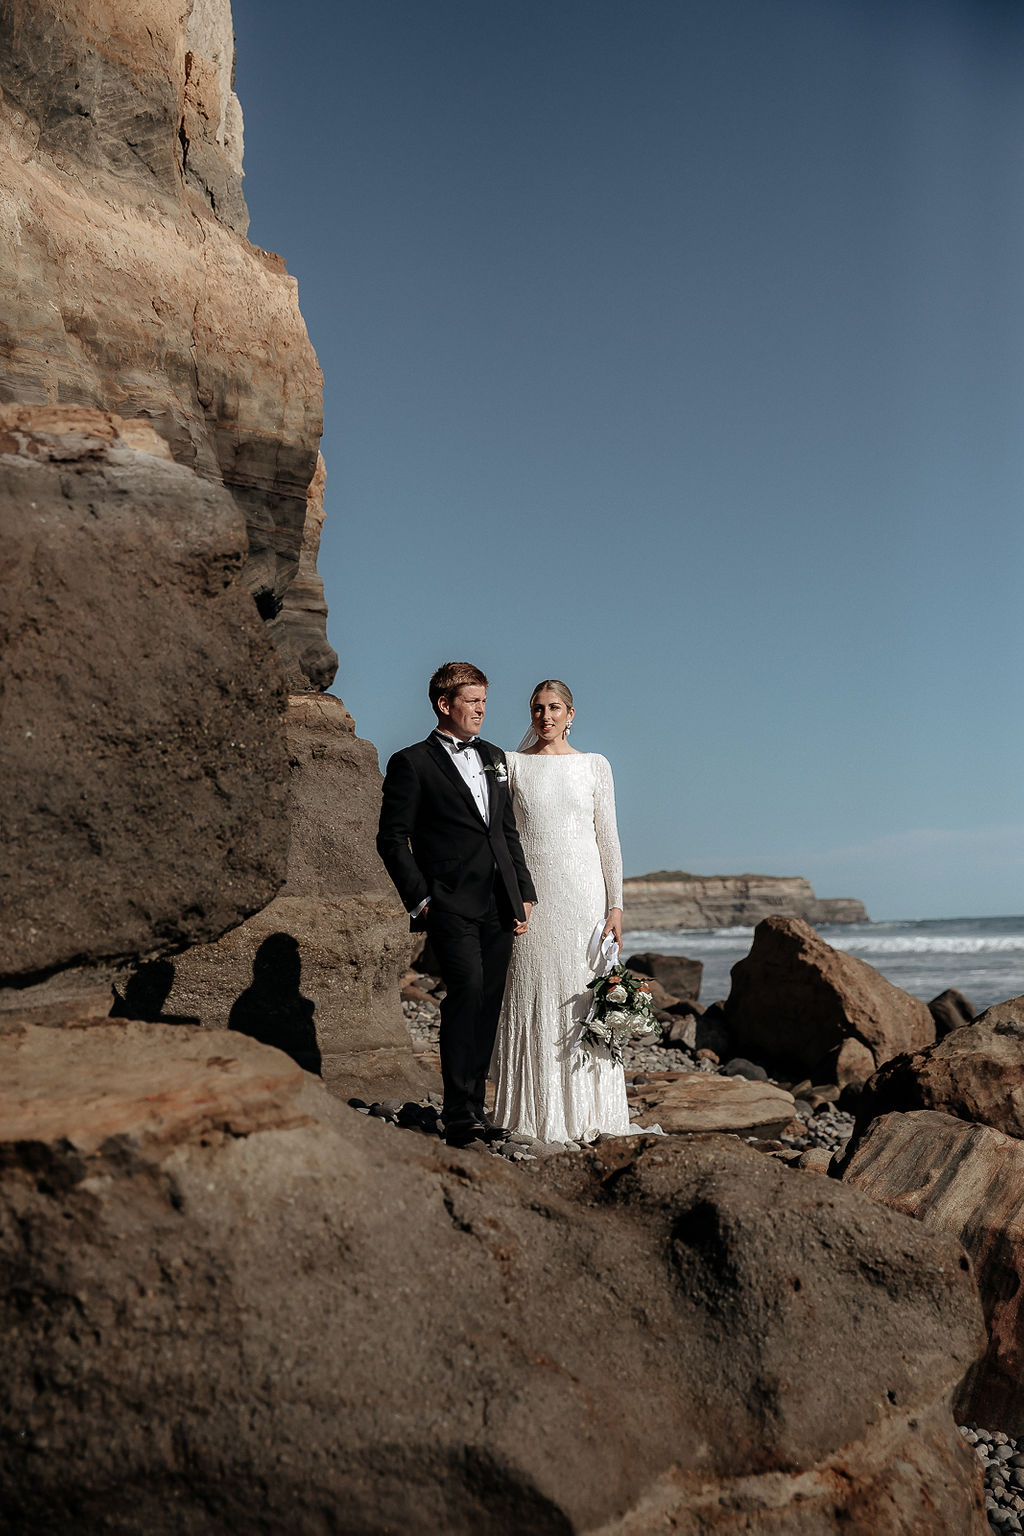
[(128, 284), (673, 899), (975, 1073), (676, 973), (316, 973), (300, 629), (142, 792), (964, 1180), (1009, 1013), (798, 1004), (237, 1305), (700, 1101)]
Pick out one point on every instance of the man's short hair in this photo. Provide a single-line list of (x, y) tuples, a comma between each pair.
[(450, 677)]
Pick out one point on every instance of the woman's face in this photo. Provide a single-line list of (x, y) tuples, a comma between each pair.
[(550, 715)]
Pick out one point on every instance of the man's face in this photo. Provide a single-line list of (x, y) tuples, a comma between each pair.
[(463, 714)]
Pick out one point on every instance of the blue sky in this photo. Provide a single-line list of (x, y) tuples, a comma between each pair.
[(677, 350)]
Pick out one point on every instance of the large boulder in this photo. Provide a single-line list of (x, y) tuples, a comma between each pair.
[(128, 285), (228, 1302), (144, 768), (317, 972), (965, 1181), (975, 1073), (796, 1003)]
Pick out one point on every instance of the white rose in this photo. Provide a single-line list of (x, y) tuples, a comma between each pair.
[(615, 1018), (616, 994)]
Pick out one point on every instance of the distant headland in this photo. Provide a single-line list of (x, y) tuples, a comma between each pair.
[(672, 898)]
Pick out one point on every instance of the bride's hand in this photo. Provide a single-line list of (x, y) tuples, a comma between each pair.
[(524, 923), (614, 926)]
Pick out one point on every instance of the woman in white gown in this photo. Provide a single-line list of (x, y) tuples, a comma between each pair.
[(564, 801)]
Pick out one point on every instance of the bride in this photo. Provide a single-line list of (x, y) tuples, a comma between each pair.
[(564, 805)]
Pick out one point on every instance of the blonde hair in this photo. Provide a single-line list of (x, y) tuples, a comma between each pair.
[(564, 693)]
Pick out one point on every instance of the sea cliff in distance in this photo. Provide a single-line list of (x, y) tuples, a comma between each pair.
[(671, 898)]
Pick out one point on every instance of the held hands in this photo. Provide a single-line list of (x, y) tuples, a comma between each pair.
[(521, 927), (614, 926)]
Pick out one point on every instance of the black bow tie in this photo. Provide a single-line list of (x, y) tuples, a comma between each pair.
[(457, 746)]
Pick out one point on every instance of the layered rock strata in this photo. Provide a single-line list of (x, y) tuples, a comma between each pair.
[(143, 769), (234, 1304), (672, 899), (963, 1181), (128, 283), (808, 1009)]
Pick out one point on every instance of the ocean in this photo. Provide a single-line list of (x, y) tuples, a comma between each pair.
[(983, 957)]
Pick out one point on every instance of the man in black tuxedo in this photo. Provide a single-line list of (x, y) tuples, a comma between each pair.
[(448, 840)]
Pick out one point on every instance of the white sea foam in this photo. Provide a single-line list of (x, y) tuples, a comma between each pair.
[(924, 944)]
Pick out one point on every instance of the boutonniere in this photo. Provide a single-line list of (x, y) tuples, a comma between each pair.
[(499, 770)]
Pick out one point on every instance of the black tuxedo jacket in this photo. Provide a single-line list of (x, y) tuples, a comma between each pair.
[(433, 840)]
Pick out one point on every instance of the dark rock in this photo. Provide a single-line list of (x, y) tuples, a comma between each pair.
[(689, 1008), (143, 782), (710, 1032), (737, 1067), (678, 975), (950, 1010), (804, 1008), (229, 1307)]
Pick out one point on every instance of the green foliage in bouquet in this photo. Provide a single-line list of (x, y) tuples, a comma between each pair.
[(622, 1008)]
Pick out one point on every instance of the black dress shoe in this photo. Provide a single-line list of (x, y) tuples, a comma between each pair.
[(464, 1134), (492, 1132)]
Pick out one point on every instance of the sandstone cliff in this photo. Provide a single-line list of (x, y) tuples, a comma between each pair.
[(673, 899), (152, 798), (128, 283)]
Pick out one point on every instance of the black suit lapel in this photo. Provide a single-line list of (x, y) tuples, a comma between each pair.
[(442, 756)]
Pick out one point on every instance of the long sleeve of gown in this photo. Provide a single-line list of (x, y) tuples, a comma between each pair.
[(607, 833)]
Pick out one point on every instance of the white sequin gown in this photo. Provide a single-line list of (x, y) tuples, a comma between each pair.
[(565, 812)]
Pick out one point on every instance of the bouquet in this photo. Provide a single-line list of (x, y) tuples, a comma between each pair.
[(622, 1007)]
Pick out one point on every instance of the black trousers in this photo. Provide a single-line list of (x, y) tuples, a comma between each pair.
[(473, 955)]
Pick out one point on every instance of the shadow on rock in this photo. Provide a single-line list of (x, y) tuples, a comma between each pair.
[(146, 991), (273, 1009)]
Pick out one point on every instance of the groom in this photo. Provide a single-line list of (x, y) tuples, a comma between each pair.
[(448, 840)]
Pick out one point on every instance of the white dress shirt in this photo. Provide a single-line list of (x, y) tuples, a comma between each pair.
[(470, 766)]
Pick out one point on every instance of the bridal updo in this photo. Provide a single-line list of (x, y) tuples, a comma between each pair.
[(564, 693)]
